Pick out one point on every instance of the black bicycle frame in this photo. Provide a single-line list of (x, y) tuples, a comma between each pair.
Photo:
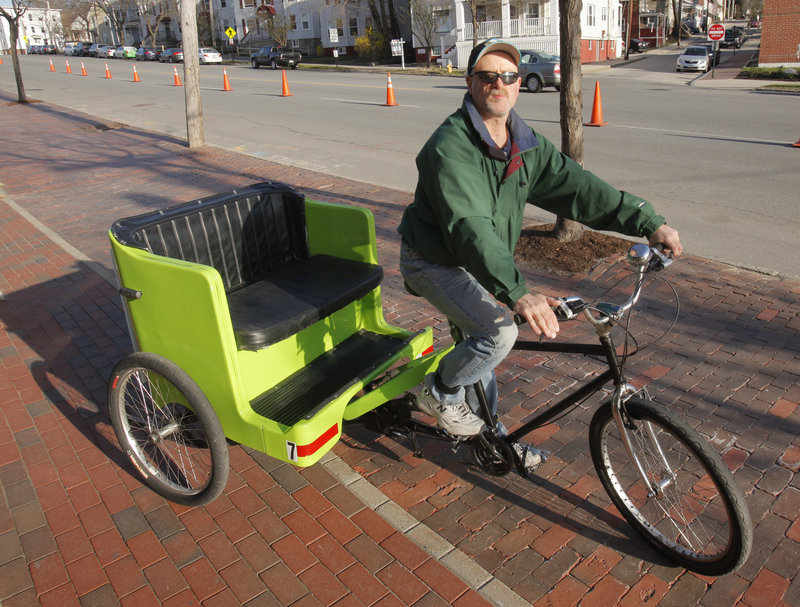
[(614, 373)]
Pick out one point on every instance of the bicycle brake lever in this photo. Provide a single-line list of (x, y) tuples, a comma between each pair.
[(660, 260)]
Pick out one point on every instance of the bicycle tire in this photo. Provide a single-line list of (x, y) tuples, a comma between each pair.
[(701, 521), (168, 429)]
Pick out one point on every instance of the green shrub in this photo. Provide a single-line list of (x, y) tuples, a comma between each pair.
[(771, 73), (371, 45)]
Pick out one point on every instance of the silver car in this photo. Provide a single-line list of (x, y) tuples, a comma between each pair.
[(693, 58), (539, 69)]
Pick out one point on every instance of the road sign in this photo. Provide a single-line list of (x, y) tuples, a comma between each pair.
[(716, 32), (230, 33), (333, 34)]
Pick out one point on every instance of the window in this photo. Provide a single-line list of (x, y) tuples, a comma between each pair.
[(293, 21), (339, 27), (604, 14), (532, 10), (590, 15), (354, 26), (223, 3), (304, 20)]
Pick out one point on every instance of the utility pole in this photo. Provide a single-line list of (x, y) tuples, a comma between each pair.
[(191, 75)]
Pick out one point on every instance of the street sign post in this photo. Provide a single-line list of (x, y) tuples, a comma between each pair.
[(715, 33), (397, 50)]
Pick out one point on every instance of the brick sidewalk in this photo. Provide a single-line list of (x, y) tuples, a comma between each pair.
[(76, 526)]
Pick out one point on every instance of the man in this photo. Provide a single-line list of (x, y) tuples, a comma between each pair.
[(476, 173)]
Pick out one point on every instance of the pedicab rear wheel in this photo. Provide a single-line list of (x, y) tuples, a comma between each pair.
[(168, 429)]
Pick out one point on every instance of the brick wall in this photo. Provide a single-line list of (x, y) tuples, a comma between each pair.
[(780, 33)]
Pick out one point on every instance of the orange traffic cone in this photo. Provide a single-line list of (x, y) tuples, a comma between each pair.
[(796, 143), (69, 69), (226, 86), (1, 61), (135, 75), (390, 100), (284, 85), (83, 70), (52, 67), (108, 73), (177, 78), (597, 110)]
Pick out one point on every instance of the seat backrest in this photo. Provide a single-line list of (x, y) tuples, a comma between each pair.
[(243, 234)]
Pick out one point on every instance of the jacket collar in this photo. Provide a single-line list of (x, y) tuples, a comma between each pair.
[(522, 136)]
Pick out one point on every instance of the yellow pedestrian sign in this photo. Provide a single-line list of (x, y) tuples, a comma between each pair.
[(230, 33)]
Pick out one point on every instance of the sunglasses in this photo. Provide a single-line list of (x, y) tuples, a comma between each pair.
[(491, 77)]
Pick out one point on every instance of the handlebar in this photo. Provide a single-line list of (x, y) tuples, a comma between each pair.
[(644, 259)]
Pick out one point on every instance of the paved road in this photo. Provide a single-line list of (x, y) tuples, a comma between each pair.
[(726, 180)]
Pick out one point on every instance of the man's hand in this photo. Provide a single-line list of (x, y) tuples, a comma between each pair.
[(667, 236), (537, 310)]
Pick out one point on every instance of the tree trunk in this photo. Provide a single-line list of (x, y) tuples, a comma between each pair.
[(571, 101), (191, 75), (13, 27)]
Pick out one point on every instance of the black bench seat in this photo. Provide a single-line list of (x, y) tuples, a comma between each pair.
[(295, 296), (256, 239)]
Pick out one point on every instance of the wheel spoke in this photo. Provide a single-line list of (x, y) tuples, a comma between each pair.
[(689, 507)]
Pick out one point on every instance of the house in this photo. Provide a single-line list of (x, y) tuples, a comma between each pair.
[(780, 34), (36, 26), (530, 25)]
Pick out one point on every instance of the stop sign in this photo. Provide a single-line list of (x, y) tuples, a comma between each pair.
[(716, 32)]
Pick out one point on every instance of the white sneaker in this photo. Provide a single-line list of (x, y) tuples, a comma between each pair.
[(530, 457), (457, 419)]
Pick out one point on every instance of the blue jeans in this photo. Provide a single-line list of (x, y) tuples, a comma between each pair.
[(487, 324)]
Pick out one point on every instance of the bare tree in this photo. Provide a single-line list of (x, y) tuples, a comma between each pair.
[(571, 100), (475, 6), (13, 14), (82, 11), (154, 13), (277, 26), (429, 15), (114, 10)]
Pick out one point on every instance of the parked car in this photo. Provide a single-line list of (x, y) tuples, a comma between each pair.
[(638, 45), (146, 53), (125, 52), (733, 37), (710, 50), (209, 55), (171, 55), (693, 58), (275, 57), (69, 47), (753, 23), (538, 70), (106, 51), (33, 49), (81, 49), (92, 52), (50, 49)]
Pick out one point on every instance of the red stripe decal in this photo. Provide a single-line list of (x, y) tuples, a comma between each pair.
[(312, 448)]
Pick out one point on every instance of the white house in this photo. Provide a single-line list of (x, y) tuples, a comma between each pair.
[(530, 25), (36, 26)]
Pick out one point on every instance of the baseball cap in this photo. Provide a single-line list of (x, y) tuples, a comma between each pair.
[(489, 46)]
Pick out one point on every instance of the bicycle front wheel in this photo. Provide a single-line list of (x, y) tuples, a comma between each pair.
[(697, 516), (168, 429)]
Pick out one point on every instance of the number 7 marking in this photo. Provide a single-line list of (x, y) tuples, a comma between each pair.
[(291, 451)]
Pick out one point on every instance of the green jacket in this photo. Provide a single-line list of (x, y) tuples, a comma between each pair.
[(470, 197)]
